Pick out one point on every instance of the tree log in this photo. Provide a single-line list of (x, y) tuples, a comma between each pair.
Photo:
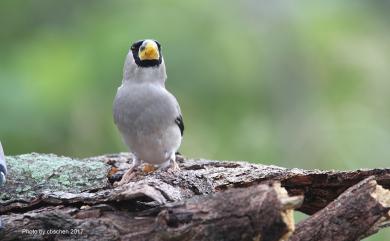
[(358, 212), (237, 214), (47, 192)]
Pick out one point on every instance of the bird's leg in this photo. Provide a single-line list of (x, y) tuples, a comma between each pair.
[(170, 164), (129, 173), (173, 166)]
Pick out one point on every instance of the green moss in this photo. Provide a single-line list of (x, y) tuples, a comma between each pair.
[(31, 174)]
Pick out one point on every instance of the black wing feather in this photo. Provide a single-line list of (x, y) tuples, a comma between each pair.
[(180, 123), (3, 166)]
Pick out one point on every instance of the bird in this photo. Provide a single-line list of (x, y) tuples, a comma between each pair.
[(146, 114), (3, 166), (3, 172)]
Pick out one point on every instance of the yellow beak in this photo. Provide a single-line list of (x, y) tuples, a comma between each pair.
[(148, 51)]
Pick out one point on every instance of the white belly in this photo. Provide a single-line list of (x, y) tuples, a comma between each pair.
[(156, 147)]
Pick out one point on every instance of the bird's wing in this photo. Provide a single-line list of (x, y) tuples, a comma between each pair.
[(3, 166), (179, 121)]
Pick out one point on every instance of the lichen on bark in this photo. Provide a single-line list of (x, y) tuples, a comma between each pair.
[(31, 174)]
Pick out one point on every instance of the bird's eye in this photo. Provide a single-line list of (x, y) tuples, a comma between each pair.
[(132, 48)]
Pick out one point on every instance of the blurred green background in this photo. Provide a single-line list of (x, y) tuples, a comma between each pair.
[(297, 84)]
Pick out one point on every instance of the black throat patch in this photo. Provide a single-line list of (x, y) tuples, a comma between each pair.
[(145, 63)]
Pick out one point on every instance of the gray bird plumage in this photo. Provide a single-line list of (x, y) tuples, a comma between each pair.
[(3, 166), (145, 113)]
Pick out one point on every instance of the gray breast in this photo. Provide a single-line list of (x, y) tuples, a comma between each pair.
[(144, 108)]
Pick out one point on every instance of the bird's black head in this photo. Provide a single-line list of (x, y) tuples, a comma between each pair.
[(147, 53)]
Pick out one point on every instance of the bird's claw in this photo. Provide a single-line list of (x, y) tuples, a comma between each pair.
[(174, 167), (126, 178), (147, 168)]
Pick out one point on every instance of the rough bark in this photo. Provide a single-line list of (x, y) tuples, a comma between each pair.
[(360, 211), (237, 214), (45, 191)]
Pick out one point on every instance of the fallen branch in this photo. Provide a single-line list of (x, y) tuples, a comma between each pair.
[(51, 188), (359, 212), (238, 214)]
